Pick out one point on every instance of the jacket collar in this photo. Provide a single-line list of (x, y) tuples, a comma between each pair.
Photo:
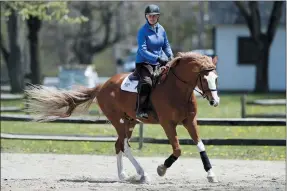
[(150, 27)]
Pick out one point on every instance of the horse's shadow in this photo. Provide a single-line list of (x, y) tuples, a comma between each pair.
[(131, 180), (89, 181)]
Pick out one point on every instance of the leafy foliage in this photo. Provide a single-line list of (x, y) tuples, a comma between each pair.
[(44, 10)]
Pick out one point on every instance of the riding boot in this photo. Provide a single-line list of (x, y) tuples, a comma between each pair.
[(141, 101)]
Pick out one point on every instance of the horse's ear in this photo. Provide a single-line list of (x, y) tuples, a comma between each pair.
[(214, 60)]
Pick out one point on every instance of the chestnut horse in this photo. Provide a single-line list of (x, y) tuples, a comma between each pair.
[(173, 102)]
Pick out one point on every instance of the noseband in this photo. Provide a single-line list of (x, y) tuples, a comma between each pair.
[(203, 94)]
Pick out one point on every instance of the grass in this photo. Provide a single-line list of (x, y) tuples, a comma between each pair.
[(224, 152), (155, 131), (229, 108)]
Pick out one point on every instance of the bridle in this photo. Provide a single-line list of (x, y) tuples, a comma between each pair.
[(203, 93)]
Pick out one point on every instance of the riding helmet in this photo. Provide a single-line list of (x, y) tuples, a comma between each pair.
[(152, 10)]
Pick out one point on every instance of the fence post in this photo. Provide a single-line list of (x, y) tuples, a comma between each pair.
[(243, 106), (26, 106), (141, 136)]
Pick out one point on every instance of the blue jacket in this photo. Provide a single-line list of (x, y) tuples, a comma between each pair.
[(151, 43)]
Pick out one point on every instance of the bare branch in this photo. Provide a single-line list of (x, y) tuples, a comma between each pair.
[(106, 20), (244, 12), (274, 20), (107, 14), (255, 20)]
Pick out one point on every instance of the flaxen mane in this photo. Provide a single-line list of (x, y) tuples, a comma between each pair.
[(203, 62)]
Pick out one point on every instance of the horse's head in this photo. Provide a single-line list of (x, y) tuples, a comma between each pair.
[(207, 83), (198, 71)]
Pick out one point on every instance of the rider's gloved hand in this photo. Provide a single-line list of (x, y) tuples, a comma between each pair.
[(162, 61)]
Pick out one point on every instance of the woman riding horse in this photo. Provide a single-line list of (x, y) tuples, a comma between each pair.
[(173, 100), (152, 40)]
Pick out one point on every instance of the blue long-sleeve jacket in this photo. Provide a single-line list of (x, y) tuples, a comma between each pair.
[(151, 43)]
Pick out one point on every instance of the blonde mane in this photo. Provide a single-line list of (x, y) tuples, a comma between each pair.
[(201, 61)]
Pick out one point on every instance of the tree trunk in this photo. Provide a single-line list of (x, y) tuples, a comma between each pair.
[(14, 65), (200, 26), (86, 58), (262, 66), (34, 25)]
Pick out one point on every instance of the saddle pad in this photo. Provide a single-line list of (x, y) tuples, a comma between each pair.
[(128, 85)]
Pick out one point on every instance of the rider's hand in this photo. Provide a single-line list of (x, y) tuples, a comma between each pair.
[(162, 61)]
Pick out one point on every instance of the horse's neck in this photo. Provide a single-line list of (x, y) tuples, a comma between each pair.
[(176, 88)]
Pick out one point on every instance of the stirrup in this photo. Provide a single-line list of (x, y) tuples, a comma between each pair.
[(141, 114)]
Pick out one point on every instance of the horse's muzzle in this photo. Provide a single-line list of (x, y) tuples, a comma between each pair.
[(213, 103)]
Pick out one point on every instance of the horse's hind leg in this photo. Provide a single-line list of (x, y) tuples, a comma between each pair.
[(124, 129), (191, 125), (121, 173)]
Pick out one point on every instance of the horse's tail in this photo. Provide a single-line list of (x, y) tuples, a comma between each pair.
[(51, 103)]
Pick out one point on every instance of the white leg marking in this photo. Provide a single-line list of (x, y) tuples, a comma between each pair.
[(200, 146), (121, 173), (128, 153), (143, 176), (211, 176)]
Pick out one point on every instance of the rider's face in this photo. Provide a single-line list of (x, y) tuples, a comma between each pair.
[(152, 19)]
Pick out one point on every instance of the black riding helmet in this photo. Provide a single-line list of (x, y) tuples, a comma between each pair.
[(152, 10)]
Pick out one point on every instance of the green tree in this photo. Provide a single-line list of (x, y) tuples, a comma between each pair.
[(33, 13)]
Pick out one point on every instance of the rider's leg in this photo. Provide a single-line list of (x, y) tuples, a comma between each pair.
[(144, 88), (143, 92)]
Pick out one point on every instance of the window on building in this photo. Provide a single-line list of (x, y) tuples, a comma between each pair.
[(247, 51)]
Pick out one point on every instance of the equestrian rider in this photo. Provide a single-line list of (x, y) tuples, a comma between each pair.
[(152, 40)]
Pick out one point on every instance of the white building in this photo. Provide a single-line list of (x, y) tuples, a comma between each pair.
[(229, 30)]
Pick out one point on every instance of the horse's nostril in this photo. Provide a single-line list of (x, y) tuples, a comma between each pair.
[(211, 102)]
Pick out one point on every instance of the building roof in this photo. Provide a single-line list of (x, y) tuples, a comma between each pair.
[(226, 12)]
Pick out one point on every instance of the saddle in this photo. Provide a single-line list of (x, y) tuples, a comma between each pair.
[(159, 75)]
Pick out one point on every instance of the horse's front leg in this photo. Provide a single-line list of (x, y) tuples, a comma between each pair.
[(191, 125), (170, 130)]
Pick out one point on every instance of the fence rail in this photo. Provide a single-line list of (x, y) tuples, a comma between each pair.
[(141, 139), (11, 109), (262, 102), (246, 142), (201, 121)]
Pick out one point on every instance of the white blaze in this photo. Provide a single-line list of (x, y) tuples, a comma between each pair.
[(211, 79)]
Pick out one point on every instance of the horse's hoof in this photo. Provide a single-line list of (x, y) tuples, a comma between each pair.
[(144, 179), (122, 176), (211, 177), (161, 170)]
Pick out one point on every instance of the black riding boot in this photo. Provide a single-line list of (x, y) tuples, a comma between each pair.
[(143, 93)]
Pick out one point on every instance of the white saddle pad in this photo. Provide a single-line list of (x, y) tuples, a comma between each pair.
[(128, 85)]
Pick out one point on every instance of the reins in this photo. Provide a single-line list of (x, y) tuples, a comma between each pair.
[(188, 83)]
